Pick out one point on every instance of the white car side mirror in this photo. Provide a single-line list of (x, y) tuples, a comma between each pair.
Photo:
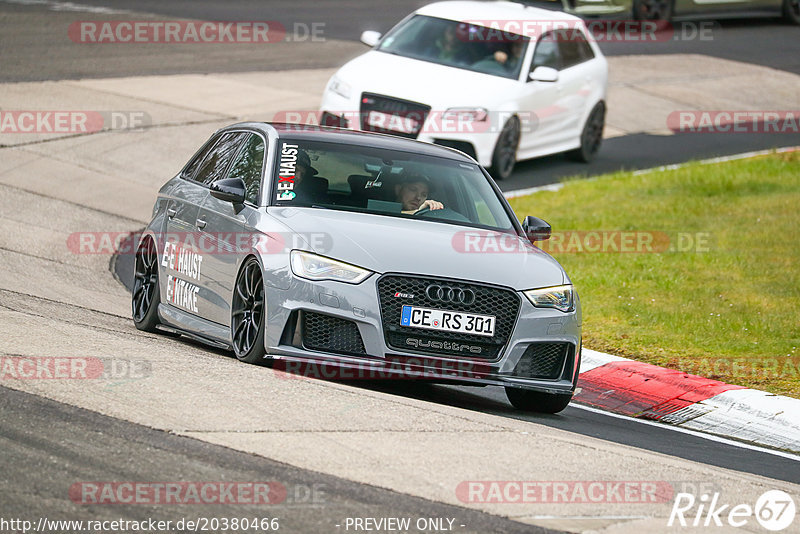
[(370, 38), (544, 74)]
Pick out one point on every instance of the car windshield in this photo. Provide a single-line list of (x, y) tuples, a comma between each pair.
[(458, 44), (385, 182)]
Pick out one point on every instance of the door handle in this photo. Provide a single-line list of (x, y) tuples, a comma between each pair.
[(171, 212), (201, 223)]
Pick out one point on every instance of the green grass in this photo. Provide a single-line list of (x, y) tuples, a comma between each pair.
[(728, 310)]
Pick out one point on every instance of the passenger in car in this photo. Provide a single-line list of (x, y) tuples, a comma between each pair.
[(502, 61), (510, 60), (308, 186), (412, 190), (449, 49)]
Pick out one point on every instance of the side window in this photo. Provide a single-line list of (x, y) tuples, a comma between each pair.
[(586, 50), (479, 205), (248, 165), (216, 162), (572, 47), (546, 54), (191, 168)]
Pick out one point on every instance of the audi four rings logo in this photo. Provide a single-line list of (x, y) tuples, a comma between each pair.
[(454, 295)]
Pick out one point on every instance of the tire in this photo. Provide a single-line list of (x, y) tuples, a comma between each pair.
[(248, 314), (791, 11), (504, 156), (591, 135), (145, 296), (653, 10), (534, 401)]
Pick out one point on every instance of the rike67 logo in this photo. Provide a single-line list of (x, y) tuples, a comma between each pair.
[(774, 510)]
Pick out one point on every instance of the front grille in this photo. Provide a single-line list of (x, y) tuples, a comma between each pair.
[(331, 334), (543, 360), (405, 118), (489, 300)]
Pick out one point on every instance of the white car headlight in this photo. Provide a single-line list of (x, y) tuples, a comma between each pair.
[(313, 267), (339, 87), (558, 297), (466, 114)]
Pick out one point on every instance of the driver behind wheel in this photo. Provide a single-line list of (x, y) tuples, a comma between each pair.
[(412, 192)]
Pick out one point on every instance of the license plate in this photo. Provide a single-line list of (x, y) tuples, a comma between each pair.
[(395, 123), (447, 321)]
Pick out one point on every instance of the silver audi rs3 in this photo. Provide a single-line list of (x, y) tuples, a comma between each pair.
[(341, 254)]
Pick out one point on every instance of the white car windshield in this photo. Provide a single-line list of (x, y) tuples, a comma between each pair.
[(385, 182), (457, 44)]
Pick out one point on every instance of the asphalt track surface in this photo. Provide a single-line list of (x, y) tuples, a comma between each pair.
[(763, 41), (34, 48), (69, 444), (50, 445)]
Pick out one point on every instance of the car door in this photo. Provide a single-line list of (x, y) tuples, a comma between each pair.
[(187, 251), (227, 227), (179, 239), (541, 98), (577, 81)]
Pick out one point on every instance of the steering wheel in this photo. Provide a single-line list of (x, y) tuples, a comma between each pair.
[(423, 211)]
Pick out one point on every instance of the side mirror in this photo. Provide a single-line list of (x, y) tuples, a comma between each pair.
[(543, 74), (229, 190), (536, 229), (370, 38)]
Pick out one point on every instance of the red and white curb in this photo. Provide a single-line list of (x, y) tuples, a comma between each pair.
[(690, 402), (642, 390)]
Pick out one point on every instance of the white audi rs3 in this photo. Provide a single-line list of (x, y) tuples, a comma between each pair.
[(499, 81)]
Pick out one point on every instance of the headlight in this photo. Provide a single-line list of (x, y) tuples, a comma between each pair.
[(339, 87), (558, 297), (466, 114), (313, 267)]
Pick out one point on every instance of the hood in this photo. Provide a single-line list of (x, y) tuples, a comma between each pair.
[(424, 82), (393, 244)]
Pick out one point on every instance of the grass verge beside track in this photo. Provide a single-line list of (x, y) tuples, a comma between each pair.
[(710, 282)]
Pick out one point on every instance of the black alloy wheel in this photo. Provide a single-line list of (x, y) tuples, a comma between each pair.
[(652, 10), (791, 11), (504, 156), (248, 314), (145, 296), (591, 135)]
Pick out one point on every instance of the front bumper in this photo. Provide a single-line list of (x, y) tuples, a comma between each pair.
[(372, 358), (477, 140)]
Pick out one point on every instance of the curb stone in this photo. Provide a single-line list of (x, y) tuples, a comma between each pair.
[(646, 391)]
